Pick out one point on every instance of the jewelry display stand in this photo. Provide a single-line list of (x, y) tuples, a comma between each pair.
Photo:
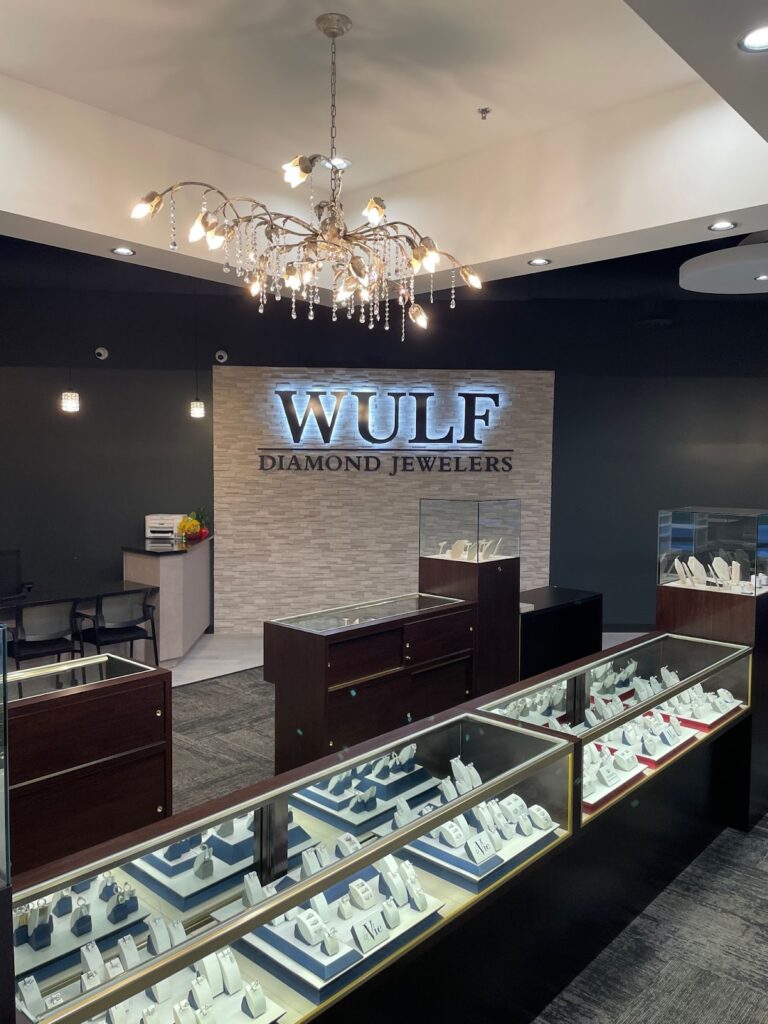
[(227, 1007), (334, 808), (64, 950), (175, 880), (317, 975)]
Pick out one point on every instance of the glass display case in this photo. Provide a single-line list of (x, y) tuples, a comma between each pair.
[(716, 549), (637, 709), (368, 612), (267, 909), (464, 530), (5, 853)]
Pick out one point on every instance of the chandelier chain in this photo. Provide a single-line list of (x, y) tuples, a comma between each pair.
[(334, 169)]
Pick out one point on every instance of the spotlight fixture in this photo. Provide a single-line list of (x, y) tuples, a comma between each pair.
[(123, 250), (755, 41), (369, 267), (539, 261), (762, 277), (722, 225)]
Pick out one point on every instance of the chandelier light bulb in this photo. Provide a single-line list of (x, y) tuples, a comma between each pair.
[(307, 273), (147, 206), (197, 409), (70, 401), (297, 171), (417, 315), (292, 277), (431, 258), (203, 223), (374, 211), (471, 277)]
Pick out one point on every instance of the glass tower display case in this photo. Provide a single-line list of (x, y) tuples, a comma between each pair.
[(269, 908), (637, 710), (470, 549), (720, 550), (466, 530)]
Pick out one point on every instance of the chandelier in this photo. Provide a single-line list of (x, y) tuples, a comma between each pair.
[(366, 266)]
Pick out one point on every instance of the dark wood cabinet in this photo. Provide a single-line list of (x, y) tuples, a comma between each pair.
[(87, 762), (343, 678), (561, 625)]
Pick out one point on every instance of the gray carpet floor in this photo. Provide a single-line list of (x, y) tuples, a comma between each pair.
[(697, 955)]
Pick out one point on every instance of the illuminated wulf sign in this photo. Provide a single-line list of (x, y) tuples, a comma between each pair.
[(473, 413)]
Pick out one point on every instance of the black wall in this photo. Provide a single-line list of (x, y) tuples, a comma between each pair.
[(661, 400)]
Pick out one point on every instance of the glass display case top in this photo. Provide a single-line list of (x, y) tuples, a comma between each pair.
[(468, 530), (637, 708), (32, 682), (5, 864), (372, 611), (717, 549), (361, 861)]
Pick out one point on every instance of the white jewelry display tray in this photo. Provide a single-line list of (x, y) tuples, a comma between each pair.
[(64, 949), (751, 592), (228, 1007), (602, 793), (185, 890), (706, 723), (307, 969), (334, 810), (455, 866), (665, 751)]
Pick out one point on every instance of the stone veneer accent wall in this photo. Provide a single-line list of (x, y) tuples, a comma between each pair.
[(297, 541)]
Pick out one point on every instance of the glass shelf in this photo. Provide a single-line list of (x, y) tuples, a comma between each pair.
[(372, 611)]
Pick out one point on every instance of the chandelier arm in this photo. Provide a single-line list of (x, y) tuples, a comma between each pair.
[(201, 184)]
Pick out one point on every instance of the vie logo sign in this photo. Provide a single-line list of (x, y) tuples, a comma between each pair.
[(365, 429), (473, 413)]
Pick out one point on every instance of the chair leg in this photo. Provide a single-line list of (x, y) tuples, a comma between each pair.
[(154, 640), (59, 683)]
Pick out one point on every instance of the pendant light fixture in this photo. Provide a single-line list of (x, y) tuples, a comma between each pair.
[(364, 265), (70, 399), (197, 407)]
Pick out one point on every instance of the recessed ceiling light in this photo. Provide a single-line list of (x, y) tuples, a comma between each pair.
[(722, 225), (756, 40), (762, 277), (539, 261), (123, 250)]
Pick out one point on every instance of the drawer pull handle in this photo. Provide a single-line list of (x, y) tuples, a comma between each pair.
[(159, 712), (159, 808)]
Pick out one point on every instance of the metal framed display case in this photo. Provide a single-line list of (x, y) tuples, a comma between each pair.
[(6, 946), (637, 711), (713, 583), (471, 549), (203, 922), (724, 551), (344, 675), (90, 754)]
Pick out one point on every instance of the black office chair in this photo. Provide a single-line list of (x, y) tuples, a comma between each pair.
[(12, 586), (42, 631), (118, 619)]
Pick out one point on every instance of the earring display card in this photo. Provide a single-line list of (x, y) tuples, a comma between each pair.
[(359, 800), (64, 949), (363, 939), (227, 1007)]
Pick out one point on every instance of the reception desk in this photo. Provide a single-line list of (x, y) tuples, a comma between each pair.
[(182, 574)]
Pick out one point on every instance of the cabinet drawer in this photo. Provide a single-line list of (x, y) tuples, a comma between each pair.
[(58, 816), (364, 656), (438, 637), (444, 686), (357, 713), (78, 727)]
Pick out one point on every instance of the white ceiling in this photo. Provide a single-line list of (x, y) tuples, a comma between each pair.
[(249, 78), (706, 34)]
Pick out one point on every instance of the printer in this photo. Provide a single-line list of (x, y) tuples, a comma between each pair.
[(162, 526)]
